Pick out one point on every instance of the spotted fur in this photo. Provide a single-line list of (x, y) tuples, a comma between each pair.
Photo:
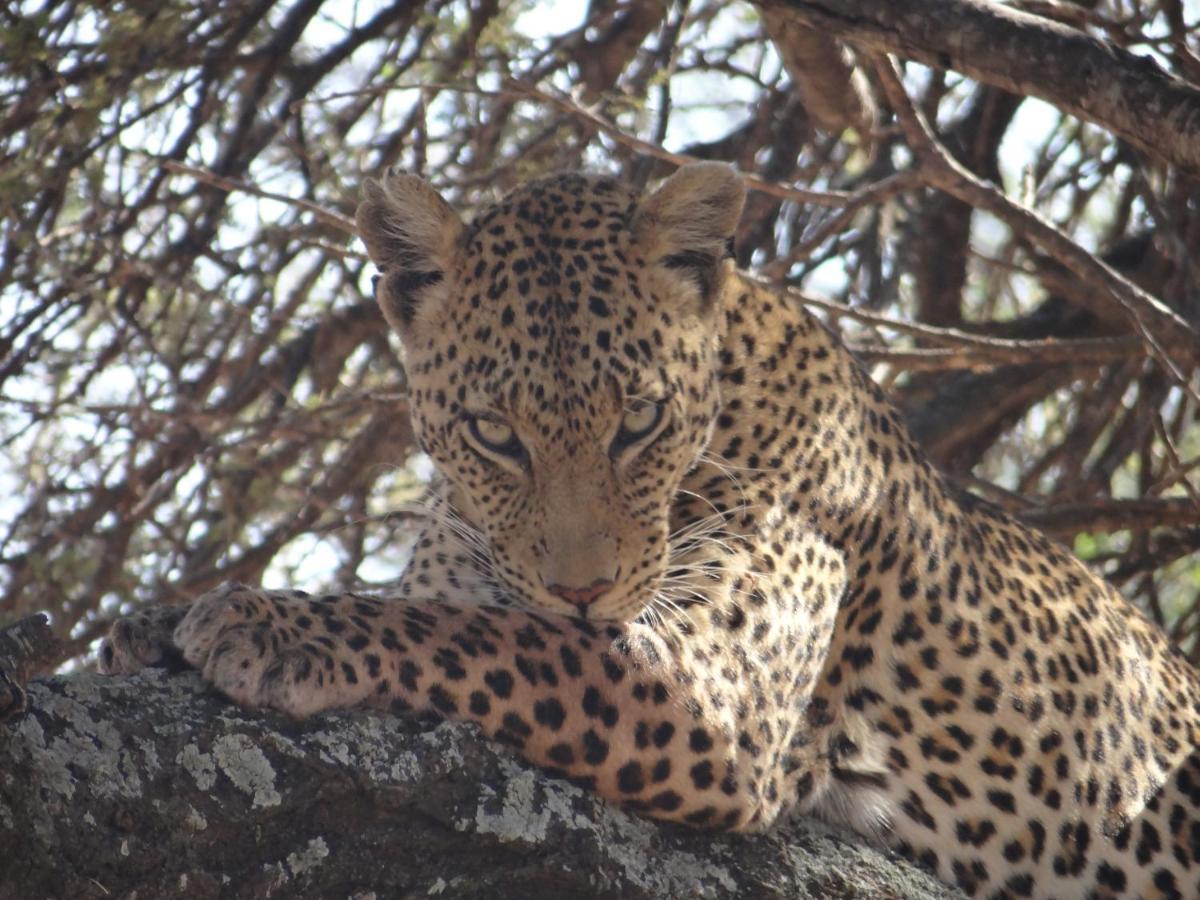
[(685, 553)]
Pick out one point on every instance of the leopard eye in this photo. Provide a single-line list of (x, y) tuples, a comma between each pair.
[(496, 436), (639, 421)]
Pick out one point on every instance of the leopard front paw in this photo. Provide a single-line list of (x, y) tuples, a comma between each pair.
[(256, 650), (143, 640)]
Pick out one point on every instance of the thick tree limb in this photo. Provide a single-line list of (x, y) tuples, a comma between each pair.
[(1128, 94), (155, 786), (605, 58), (834, 90), (26, 648), (1065, 521)]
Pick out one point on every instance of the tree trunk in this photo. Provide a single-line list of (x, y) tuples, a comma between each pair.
[(153, 786)]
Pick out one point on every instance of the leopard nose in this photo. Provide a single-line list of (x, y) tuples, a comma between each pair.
[(581, 597)]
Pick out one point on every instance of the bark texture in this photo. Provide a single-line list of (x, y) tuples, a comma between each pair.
[(1130, 95), (835, 92), (152, 786)]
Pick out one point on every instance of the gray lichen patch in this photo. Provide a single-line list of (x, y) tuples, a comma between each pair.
[(195, 820), (247, 767), (524, 810), (363, 740), (517, 819), (333, 748), (150, 761), (635, 845), (80, 742), (297, 864), (32, 739), (676, 873), (447, 741), (199, 765), (310, 857), (379, 748), (405, 768), (240, 760)]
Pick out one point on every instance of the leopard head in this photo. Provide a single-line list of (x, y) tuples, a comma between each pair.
[(562, 353)]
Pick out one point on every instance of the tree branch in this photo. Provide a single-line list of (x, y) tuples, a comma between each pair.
[(1162, 328), (1067, 520), (833, 89), (154, 785), (1128, 94), (25, 649)]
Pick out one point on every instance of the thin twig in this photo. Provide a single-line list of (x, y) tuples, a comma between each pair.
[(206, 176), (571, 107), (873, 194)]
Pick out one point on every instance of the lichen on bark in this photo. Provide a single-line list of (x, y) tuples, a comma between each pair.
[(153, 786)]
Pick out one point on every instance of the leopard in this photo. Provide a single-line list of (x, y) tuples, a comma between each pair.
[(683, 551)]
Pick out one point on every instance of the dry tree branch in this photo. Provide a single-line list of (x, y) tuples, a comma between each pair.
[(1129, 95), (520, 90), (937, 334), (832, 88), (27, 647), (1178, 471), (604, 59), (154, 786), (962, 350), (1066, 520), (206, 176), (569, 106), (1159, 325), (1090, 352), (874, 194)]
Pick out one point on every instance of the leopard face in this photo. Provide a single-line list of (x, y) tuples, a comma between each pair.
[(562, 356)]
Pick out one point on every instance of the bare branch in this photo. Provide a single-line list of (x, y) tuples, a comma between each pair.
[(1162, 328), (1085, 352), (206, 176), (834, 91), (783, 192), (1097, 81), (1114, 515)]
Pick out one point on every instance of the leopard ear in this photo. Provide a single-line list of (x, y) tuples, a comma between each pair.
[(688, 223), (411, 234)]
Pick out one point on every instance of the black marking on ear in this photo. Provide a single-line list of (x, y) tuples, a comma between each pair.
[(701, 266), (400, 290)]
